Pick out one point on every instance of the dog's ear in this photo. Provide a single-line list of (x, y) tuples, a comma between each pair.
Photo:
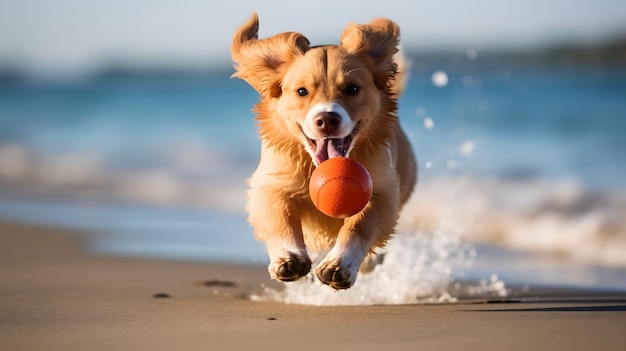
[(377, 40), (262, 63)]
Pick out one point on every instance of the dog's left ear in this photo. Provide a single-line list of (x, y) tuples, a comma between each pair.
[(377, 40), (263, 62)]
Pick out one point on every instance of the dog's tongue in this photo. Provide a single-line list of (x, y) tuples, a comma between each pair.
[(328, 148)]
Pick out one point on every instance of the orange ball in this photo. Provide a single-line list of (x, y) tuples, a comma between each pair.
[(340, 187)]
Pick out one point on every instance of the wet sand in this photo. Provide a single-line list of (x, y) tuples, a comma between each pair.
[(54, 295)]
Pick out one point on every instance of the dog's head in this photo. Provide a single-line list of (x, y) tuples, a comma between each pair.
[(328, 98)]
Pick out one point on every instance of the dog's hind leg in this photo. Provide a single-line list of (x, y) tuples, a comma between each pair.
[(371, 261)]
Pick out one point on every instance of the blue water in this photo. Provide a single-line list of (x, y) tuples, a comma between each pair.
[(543, 121), (157, 165)]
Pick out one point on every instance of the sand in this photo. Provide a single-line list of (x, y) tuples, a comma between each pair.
[(54, 295)]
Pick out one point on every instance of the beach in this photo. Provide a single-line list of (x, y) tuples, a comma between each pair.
[(55, 295), (125, 164)]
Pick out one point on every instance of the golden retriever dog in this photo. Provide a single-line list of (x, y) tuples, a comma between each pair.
[(316, 103)]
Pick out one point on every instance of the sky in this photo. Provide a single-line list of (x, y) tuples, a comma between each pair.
[(78, 36)]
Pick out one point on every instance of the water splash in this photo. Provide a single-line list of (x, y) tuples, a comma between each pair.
[(419, 267)]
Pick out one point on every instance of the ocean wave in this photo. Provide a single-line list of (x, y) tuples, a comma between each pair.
[(560, 218), (178, 178)]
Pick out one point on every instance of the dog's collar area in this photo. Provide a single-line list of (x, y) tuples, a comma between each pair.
[(328, 147)]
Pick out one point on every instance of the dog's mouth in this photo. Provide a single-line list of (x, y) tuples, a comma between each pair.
[(329, 147)]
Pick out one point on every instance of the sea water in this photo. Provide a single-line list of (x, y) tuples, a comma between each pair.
[(522, 174)]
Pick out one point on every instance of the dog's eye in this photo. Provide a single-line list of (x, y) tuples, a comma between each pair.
[(302, 92), (352, 89)]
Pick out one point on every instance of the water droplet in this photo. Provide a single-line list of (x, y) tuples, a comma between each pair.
[(468, 147), (472, 54), (439, 79), (429, 123), (468, 81)]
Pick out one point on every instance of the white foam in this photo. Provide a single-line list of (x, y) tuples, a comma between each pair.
[(493, 286), (416, 269)]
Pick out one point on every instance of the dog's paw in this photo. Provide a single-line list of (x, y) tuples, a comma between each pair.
[(339, 273), (291, 266)]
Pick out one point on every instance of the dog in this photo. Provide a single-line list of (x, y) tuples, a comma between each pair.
[(316, 103)]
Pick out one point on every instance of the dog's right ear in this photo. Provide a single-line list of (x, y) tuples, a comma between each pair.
[(262, 63)]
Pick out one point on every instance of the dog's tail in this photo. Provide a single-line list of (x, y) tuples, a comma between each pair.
[(403, 71)]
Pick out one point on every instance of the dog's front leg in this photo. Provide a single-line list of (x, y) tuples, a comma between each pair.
[(371, 227), (289, 259), (276, 224)]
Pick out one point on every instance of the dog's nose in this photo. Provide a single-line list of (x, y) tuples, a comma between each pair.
[(328, 122)]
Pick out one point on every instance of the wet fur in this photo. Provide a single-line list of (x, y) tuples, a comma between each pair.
[(279, 206)]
